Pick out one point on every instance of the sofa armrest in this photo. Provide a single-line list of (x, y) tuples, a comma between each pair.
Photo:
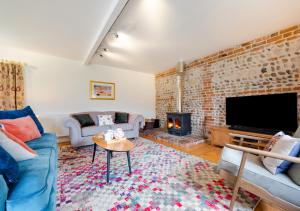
[(137, 120), (70, 122), (264, 153), (74, 128)]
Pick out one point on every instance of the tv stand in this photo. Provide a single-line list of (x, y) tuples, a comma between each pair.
[(223, 135), (253, 130)]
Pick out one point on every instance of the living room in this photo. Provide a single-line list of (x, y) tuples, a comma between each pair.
[(150, 105)]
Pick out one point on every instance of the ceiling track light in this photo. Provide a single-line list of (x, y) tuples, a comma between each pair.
[(116, 35), (110, 31), (100, 50)]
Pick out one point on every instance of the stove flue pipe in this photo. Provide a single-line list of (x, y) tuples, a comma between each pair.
[(179, 84)]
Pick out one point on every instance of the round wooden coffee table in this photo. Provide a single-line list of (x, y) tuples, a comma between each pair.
[(123, 145)]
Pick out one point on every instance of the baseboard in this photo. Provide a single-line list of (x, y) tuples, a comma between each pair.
[(63, 139)]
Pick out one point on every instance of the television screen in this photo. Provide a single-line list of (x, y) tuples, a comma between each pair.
[(277, 112)]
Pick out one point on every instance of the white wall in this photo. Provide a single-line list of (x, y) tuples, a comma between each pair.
[(56, 87)]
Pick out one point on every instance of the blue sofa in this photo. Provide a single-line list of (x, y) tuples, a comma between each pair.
[(36, 188)]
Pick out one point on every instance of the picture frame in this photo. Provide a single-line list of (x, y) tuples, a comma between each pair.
[(100, 90)]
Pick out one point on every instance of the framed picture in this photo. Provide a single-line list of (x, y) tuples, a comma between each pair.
[(102, 90)]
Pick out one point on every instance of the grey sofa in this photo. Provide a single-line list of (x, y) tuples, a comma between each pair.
[(83, 136)]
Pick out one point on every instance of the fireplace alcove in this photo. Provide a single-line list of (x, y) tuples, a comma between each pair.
[(179, 123)]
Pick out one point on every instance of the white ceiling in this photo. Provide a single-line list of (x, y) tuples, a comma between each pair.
[(154, 34), (159, 33), (64, 28)]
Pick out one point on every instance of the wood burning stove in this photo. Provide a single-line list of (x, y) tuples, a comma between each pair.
[(179, 123)]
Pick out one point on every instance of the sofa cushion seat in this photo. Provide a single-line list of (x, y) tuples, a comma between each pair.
[(92, 130), (48, 140), (36, 180), (123, 126), (279, 185)]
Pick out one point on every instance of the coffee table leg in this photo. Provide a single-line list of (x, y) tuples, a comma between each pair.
[(95, 146), (108, 166), (111, 154), (128, 159)]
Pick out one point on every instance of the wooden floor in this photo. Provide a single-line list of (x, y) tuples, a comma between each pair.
[(204, 150)]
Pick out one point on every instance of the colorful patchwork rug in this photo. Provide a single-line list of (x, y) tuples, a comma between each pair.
[(162, 179)]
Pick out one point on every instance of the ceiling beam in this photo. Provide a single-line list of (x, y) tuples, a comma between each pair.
[(108, 23)]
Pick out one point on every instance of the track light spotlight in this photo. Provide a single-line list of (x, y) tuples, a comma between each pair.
[(100, 50), (116, 35)]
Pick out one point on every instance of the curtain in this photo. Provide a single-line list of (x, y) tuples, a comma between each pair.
[(11, 85)]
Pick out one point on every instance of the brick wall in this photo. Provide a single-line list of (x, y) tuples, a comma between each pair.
[(266, 65)]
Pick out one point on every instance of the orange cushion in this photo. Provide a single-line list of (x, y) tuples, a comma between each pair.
[(22, 128)]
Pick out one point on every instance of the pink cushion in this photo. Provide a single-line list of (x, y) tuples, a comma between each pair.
[(22, 128)]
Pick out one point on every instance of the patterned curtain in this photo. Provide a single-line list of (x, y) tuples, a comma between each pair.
[(11, 85)]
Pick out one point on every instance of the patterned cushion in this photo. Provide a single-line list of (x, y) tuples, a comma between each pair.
[(285, 145), (273, 141), (105, 120)]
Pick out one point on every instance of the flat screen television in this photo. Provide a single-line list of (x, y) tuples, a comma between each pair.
[(263, 113)]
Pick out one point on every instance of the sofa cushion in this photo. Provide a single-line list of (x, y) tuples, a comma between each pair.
[(121, 117), (24, 128), (15, 147), (84, 120), (123, 126), (9, 167), (27, 111), (35, 184), (93, 130), (279, 185), (105, 120), (47, 140), (297, 133), (272, 142), (285, 145), (294, 173), (95, 115)]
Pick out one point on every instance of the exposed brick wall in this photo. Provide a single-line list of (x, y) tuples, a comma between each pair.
[(266, 65)]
